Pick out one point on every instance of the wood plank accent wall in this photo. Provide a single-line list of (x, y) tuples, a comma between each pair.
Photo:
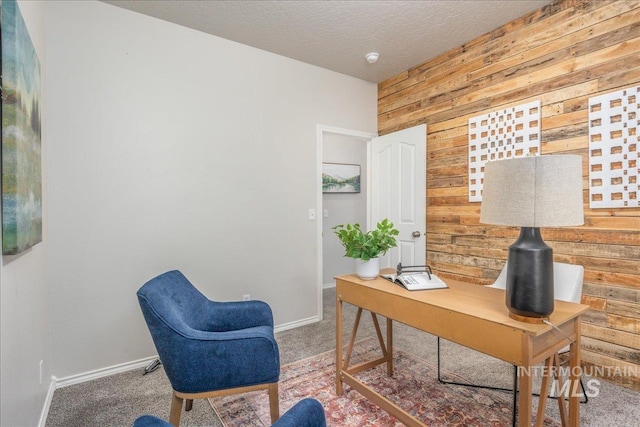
[(562, 55)]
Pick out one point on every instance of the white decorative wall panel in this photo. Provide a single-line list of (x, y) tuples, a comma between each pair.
[(512, 132), (614, 136)]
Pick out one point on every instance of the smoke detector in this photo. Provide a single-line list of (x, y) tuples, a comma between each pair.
[(372, 57)]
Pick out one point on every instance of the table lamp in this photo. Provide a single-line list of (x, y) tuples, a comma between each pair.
[(532, 192)]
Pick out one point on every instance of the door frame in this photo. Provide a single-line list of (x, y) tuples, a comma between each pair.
[(321, 130)]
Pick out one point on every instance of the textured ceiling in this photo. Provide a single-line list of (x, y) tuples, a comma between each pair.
[(337, 34)]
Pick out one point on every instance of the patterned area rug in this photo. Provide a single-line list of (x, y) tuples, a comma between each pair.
[(414, 387)]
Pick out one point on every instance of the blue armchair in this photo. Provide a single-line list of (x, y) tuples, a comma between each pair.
[(306, 413), (210, 348)]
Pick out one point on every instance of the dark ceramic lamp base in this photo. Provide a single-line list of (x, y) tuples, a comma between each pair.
[(529, 294)]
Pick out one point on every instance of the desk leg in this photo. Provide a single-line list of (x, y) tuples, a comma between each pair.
[(389, 347), (525, 391), (574, 375), (338, 345), (352, 340), (544, 391), (560, 382)]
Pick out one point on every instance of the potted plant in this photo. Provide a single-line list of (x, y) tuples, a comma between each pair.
[(365, 248)]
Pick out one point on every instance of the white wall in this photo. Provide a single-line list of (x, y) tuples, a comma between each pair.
[(343, 208), (24, 332), (170, 148)]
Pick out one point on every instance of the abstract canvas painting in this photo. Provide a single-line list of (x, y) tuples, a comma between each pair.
[(21, 135)]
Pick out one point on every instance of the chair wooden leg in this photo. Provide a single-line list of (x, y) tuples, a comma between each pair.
[(274, 405), (188, 404), (176, 409)]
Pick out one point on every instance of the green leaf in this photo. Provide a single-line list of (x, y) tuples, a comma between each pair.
[(365, 246)]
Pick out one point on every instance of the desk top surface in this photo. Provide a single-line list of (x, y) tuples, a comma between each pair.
[(478, 301)]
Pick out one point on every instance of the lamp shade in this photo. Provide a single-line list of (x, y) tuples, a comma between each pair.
[(537, 191)]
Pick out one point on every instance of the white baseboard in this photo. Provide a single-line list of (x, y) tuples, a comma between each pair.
[(296, 324), (104, 372), (329, 285), (47, 403)]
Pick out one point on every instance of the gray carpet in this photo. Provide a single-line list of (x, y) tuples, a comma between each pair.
[(119, 399)]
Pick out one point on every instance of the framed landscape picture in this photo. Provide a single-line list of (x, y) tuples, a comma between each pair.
[(21, 135), (340, 178)]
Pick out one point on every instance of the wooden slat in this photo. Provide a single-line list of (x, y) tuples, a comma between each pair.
[(594, 317), (624, 323), (611, 369), (622, 353), (614, 294), (612, 336), (614, 278), (595, 303)]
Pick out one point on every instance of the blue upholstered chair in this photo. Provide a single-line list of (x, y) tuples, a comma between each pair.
[(150, 421), (306, 413), (210, 348)]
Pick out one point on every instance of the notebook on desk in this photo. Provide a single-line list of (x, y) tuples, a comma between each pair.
[(416, 281)]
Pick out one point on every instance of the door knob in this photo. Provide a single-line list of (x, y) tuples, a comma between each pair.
[(416, 234)]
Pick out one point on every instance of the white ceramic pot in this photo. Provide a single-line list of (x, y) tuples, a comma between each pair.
[(368, 270)]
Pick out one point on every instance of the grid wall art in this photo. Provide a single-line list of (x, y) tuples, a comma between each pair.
[(614, 136), (512, 132)]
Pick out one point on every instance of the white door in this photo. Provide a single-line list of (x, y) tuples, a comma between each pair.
[(398, 163)]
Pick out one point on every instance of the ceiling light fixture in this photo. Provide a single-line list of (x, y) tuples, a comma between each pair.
[(372, 57)]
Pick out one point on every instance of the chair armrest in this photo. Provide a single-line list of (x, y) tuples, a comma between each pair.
[(306, 413), (228, 316)]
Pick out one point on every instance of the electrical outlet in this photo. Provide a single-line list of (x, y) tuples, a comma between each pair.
[(246, 297)]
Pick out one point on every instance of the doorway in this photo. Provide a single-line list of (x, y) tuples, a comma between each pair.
[(339, 146)]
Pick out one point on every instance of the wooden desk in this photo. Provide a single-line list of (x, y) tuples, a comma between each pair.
[(471, 315)]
